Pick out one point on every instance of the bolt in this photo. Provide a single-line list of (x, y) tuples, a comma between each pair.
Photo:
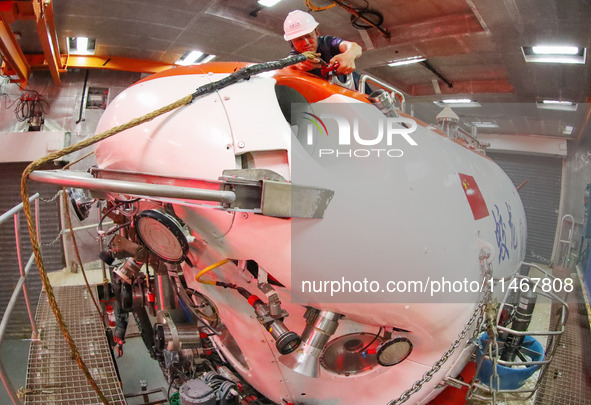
[(241, 144), (244, 215)]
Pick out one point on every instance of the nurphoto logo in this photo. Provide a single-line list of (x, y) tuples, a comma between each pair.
[(357, 136)]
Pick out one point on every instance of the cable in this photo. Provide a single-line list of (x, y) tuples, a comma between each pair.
[(210, 268), (374, 339), (312, 7)]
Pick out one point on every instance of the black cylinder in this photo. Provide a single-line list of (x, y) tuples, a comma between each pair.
[(521, 321)]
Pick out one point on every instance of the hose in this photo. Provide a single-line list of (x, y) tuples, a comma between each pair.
[(241, 74), (208, 269)]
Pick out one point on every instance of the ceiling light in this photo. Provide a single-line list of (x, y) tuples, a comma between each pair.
[(208, 58), (554, 54), (189, 58), (407, 61), (268, 3), (81, 45), (555, 50), (559, 105), (568, 130), (194, 58), (485, 124), (457, 103)]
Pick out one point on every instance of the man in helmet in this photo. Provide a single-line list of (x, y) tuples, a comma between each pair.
[(301, 29)]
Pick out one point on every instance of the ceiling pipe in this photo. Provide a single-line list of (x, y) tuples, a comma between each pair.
[(427, 65)]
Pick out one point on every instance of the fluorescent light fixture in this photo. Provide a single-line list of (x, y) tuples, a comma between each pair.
[(81, 45), (568, 130), (194, 58), (554, 54), (268, 3), (485, 124), (555, 50), (457, 103), (189, 58), (559, 105), (208, 58), (407, 61)]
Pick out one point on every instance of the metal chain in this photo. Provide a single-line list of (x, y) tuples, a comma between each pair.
[(55, 197), (58, 237), (479, 313)]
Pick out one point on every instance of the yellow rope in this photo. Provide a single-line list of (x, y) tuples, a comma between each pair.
[(73, 235), (33, 236), (75, 244), (81, 145)]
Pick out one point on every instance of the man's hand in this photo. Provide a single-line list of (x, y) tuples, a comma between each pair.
[(346, 63), (309, 64), (346, 59)]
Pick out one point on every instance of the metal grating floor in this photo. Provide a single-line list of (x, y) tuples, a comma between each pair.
[(568, 380), (53, 376)]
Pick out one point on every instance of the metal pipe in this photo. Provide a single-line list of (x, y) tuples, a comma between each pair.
[(13, 298), (65, 243), (16, 209), (165, 297), (85, 180), (364, 78), (8, 385), (22, 273), (100, 240), (81, 228)]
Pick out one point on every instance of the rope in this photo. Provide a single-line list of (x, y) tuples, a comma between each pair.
[(72, 234), (244, 73), (67, 209)]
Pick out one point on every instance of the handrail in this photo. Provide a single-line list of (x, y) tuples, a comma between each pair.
[(522, 393), (563, 259), (20, 285), (364, 78)]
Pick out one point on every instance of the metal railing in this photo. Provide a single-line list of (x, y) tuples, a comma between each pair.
[(21, 285), (489, 391), (394, 91)]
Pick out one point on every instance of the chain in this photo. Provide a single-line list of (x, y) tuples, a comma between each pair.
[(58, 237), (479, 313), (55, 197)]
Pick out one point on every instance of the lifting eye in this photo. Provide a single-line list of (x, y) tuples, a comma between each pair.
[(164, 234)]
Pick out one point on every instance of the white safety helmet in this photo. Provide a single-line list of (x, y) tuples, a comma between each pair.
[(298, 23)]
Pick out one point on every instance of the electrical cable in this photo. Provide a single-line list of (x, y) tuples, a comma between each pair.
[(374, 339), (208, 269), (312, 7)]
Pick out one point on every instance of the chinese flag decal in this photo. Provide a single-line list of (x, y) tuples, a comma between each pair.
[(474, 196)]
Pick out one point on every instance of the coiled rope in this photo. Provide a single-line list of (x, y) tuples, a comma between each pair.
[(242, 74)]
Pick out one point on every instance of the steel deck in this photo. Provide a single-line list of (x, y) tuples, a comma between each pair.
[(53, 376)]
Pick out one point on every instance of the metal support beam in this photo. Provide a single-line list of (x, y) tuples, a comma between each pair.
[(46, 31), (117, 63), (13, 59)]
